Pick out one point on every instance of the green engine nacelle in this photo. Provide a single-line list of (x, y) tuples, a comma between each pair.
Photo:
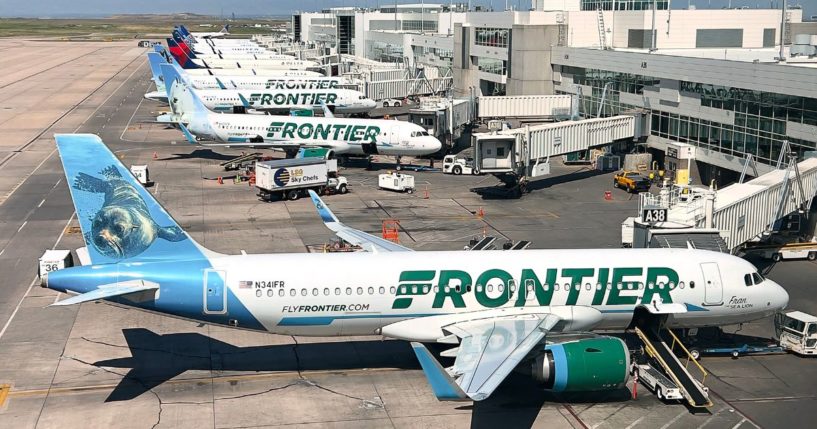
[(585, 365)]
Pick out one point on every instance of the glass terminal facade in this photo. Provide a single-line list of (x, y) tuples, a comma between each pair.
[(759, 118), (494, 37)]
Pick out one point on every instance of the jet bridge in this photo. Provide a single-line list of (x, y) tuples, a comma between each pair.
[(741, 211), (517, 155)]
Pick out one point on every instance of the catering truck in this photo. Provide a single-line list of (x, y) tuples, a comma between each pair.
[(289, 179)]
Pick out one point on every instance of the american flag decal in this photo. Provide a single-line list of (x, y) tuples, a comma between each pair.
[(245, 284)]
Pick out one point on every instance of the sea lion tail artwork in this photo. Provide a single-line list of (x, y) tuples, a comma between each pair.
[(120, 219)]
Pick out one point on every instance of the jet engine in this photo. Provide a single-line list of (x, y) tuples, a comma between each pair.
[(583, 365)]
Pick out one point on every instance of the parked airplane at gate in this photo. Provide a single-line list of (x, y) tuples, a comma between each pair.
[(344, 136), (270, 80), (504, 309), (178, 43), (272, 64), (342, 101), (236, 71)]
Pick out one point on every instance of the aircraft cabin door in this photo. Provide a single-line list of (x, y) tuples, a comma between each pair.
[(394, 136), (713, 287), (215, 295)]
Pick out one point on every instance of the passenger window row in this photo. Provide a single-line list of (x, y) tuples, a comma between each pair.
[(498, 287)]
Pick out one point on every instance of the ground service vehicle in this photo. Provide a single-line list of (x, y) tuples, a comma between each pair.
[(797, 332), (396, 182), (454, 165), (654, 380), (631, 181), (290, 178), (788, 251)]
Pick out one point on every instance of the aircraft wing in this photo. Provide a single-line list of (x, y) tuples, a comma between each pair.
[(368, 242), (110, 291), (489, 350)]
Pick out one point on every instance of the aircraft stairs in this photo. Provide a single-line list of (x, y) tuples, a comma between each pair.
[(237, 162), (694, 391)]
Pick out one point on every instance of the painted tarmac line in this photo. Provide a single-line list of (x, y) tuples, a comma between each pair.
[(675, 419), (637, 422), (4, 199), (740, 423), (33, 282)]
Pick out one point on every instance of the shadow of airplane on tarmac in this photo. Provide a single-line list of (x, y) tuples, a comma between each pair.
[(156, 358), (200, 154)]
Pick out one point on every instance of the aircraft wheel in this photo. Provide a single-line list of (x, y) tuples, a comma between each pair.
[(410, 190), (659, 393), (696, 354), (735, 354)]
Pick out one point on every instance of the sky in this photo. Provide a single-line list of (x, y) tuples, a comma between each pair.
[(101, 8)]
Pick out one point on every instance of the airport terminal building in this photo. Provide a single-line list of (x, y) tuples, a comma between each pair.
[(709, 83)]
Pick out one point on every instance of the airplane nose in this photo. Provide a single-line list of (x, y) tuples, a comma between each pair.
[(780, 298), (434, 145)]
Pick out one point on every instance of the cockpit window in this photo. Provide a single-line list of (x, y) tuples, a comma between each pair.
[(753, 279)]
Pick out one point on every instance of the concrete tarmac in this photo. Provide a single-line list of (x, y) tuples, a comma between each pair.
[(100, 365)]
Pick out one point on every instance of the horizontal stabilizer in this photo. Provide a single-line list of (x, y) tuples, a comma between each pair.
[(187, 134), (444, 387), (110, 291), (367, 241)]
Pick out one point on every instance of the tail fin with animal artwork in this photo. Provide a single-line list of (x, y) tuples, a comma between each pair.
[(121, 221)]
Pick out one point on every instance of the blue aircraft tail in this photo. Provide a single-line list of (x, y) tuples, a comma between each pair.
[(121, 221), (185, 103), (156, 60)]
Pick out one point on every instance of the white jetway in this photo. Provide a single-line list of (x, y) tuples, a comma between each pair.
[(515, 155), (525, 106), (741, 211)]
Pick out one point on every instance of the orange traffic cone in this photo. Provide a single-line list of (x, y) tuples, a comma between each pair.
[(220, 181), (155, 155)]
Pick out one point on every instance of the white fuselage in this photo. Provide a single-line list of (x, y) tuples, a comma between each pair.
[(342, 101), (266, 81), (360, 293), (344, 135), (243, 56), (289, 64), (252, 72)]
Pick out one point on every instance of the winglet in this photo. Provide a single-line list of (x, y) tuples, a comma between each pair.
[(220, 85), (187, 134), (444, 387), (326, 215), (244, 101), (326, 112)]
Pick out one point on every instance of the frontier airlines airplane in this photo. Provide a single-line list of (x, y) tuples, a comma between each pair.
[(344, 136), (503, 309)]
